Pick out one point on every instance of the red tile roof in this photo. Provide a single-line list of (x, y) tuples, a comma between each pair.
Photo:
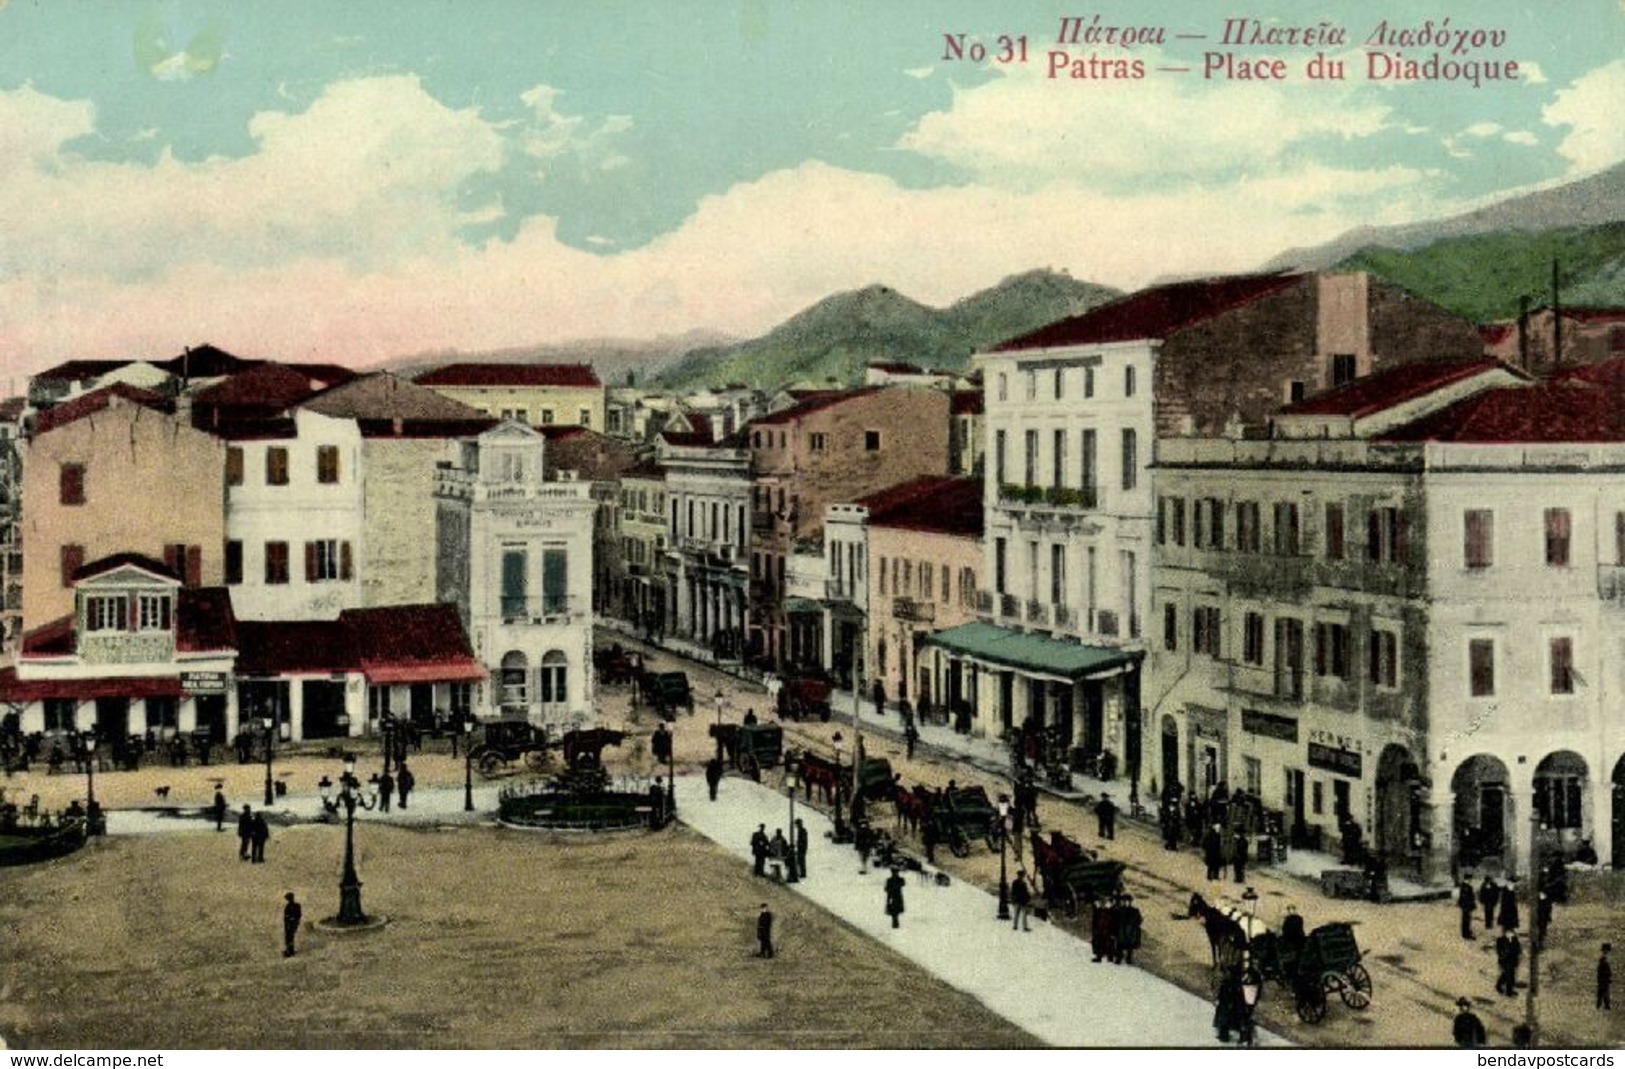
[(103, 565), (1154, 313), (50, 640), (204, 620), (412, 644), (932, 503), (20, 691), (270, 648), (511, 375), (1394, 386), (97, 401), (968, 402), (206, 362), (699, 433), (81, 370), (1570, 408), (264, 388)]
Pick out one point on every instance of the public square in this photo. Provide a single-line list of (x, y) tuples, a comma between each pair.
[(506, 938)]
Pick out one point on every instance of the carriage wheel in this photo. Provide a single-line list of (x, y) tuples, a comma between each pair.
[(489, 763), (1356, 991), (958, 844), (1311, 1003), (536, 760)]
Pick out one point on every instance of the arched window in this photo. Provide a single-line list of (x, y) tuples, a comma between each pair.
[(555, 678), (515, 695)]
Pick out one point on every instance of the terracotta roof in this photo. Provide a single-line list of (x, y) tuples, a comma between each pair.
[(20, 691), (327, 374), (103, 565), (698, 435), (384, 397), (53, 639), (815, 402), (1587, 315), (1154, 313), (81, 370), (204, 620), (1391, 387), (412, 644), (206, 362), (932, 503), (1570, 408), (96, 401), (511, 375), (263, 389), (968, 402), (270, 648)]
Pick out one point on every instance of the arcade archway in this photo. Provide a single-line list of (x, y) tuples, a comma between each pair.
[(1482, 819)]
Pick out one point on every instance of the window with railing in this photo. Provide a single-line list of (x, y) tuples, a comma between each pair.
[(1289, 659)]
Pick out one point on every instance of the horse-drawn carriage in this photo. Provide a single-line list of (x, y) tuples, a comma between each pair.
[(804, 697), (667, 692), (1072, 877), (959, 815), (749, 748), (1313, 967), (615, 666), (506, 742)]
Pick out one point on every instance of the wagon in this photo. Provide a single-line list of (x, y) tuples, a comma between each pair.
[(505, 742), (667, 692), (962, 814), (805, 697), (1329, 962), (751, 747), (1072, 876)]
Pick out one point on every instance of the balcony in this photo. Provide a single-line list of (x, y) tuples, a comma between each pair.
[(1010, 606), (914, 611), (842, 590), (556, 609), (1066, 618), (1037, 613), (1070, 498)]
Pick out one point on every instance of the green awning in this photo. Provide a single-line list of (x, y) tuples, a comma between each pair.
[(795, 605), (1033, 654)]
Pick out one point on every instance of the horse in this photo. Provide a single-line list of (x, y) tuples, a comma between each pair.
[(818, 772), (1224, 929), (913, 807)]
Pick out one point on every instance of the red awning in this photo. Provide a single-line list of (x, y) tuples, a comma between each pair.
[(13, 689), (462, 670)]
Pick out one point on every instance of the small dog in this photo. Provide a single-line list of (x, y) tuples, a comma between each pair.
[(162, 792)]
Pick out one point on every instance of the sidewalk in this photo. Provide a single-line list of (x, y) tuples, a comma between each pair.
[(1043, 981), (427, 806)]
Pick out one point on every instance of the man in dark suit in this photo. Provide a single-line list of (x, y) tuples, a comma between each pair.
[(764, 932), (292, 914)]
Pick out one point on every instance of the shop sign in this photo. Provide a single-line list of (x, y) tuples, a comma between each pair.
[(203, 682), (1342, 762), (1269, 725)]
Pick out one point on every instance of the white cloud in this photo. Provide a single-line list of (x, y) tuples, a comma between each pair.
[(1026, 127), (919, 72), (554, 133), (1522, 137), (1531, 72), (1589, 107), (1483, 129)]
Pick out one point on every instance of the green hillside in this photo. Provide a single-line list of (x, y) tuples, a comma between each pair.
[(840, 335), (1482, 277)]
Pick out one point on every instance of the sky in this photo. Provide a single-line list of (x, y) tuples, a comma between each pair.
[(357, 181)]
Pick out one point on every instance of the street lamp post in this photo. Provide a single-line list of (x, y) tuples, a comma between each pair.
[(721, 699), (1251, 982), (386, 728), (840, 833), (468, 764), (89, 746), (1004, 842), (349, 798), (1531, 1008), (269, 725), (793, 862)]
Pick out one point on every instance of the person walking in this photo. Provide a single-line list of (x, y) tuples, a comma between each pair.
[(1605, 979), (1467, 903), (404, 782), (894, 897), (764, 933), (1238, 855), (1103, 931), (1507, 915), (1230, 1008), (779, 855), (1467, 1029), (245, 833), (801, 849), (1489, 898), (758, 850), (911, 738), (1106, 817), (1508, 953), (219, 810), (260, 835), (386, 792), (713, 776), (1130, 930), (1213, 853), (1021, 902), (292, 914)]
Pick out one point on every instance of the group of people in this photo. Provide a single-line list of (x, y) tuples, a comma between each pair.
[(253, 832), (787, 858), (1115, 929)]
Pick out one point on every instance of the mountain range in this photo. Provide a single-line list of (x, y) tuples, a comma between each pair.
[(1478, 264)]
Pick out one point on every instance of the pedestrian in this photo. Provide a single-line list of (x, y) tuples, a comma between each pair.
[(911, 738), (657, 803), (1238, 855), (928, 836), (1605, 979), (405, 782), (1021, 902), (260, 836), (1106, 817), (1293, 937), (245, 832), (1508, 953), (1507, 915), (894, 897), (1130, 929), (1489, 897), (219, 809), (1230, 1009), (801, 849), (758, 850), (292, 914), (1468, 1029), (713, 776), (1467, 903), (779, 854), (1213, 853), (878, 695), (1543, 915), (386, 791), (1103, 930), (764, 933)]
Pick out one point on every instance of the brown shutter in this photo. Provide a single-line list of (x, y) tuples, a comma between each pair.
[(310, 562), (73, 558), (194, 566), (346, 561), (1373, 535)]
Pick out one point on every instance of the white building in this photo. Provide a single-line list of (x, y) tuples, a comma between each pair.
[(515, 555), (708, 496)]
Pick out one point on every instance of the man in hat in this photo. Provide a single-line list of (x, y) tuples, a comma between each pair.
[(764, 933), (1468, 1029), (1467, 903), (1508, 953), (1605, 979), (1129, 924), (1106, 816), (292, 914)]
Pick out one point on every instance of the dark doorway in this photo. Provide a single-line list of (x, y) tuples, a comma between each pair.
[(211, 716), (324, 710), (113, 719), (1170, 751)]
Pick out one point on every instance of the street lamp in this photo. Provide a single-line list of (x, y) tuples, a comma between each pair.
[(349, 797), (840, 834), (721, 699), (468, 764), (1251, 986), (1004, 842), (386, 727), (791, 782), (269, 725), (1532, 998), (90, 768)]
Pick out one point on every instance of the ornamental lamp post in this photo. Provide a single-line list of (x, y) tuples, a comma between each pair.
[(269, 725), (1004, 842), (89, 746), (349, 798), (468, 764), (791, 782), (840, 832), (721, 699)]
